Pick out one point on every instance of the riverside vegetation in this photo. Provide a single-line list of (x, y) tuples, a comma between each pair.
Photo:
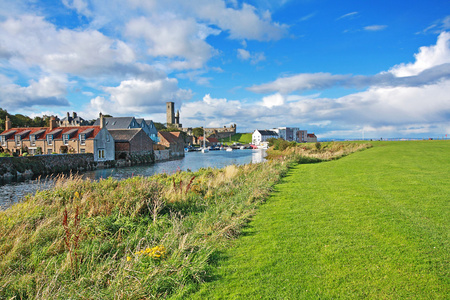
[(139, 238)]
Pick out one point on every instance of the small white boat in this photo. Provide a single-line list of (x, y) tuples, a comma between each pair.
[(229, 149), (204, 148)]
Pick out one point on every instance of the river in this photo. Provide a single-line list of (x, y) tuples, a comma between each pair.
[(13, 192)]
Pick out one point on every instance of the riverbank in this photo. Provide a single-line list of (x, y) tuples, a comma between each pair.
[(135, 238), (374, 225)]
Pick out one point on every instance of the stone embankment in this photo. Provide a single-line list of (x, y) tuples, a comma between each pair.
[(32, 166)]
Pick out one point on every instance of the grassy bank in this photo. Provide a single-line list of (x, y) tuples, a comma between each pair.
[(243, 138), (134, 239), (373, 225)]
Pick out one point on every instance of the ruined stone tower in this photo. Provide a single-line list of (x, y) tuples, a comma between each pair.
[(172, 119)]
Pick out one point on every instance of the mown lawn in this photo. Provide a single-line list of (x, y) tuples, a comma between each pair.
[(374, 224)]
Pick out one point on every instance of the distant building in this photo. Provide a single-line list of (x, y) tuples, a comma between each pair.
[(73, 120), (311, 138), (260, 137), (301, 136), (287, 133), (53, 139)]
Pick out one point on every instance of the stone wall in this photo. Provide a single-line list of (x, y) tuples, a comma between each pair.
[(32, 166), (162, 155)]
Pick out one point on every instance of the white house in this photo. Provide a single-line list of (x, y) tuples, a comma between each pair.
[(260, 137)]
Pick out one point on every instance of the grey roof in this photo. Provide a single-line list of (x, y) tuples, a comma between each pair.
[(24, 133), (148, 122), (71, 132), (116, 123), (39, 132), (124, 135), (56, 131), (267, 132), (9, 133), (88, 132)]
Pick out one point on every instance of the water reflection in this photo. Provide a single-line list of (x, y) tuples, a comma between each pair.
[(12, 192)]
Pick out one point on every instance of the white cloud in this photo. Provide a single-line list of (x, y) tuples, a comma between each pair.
[(33, 42), (273, 100), (427, 58), (352, 14), (299, 82), (80, 6), (375, 27), (254, 58), (181, 40), (48, 91), (138, 97), (243, 54)]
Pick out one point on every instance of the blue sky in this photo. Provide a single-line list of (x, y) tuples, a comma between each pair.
[(336, 68)]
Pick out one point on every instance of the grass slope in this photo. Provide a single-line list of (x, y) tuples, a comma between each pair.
[(243, 138), (374, 225)]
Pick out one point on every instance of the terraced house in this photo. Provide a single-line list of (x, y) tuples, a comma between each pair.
[(47, 140)]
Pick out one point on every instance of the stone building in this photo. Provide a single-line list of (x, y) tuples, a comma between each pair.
[(73, 120), (174, 141), (129, 142), (115, 123), (54, 139)]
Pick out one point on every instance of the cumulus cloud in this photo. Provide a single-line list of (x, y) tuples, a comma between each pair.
[(46, 91), (139, 97), (428, 57), (30, 41), (181, 40)]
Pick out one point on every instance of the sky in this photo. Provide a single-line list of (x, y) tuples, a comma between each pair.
[(341, 69)]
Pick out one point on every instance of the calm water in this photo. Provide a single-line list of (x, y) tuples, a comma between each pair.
[(15, 191)]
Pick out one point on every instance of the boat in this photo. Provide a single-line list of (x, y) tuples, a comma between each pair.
[(204, 148), (229, 149)]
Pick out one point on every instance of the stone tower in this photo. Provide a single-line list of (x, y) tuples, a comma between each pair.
[(172, 119), (170, 111)]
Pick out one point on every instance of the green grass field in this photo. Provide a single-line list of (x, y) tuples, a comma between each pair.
[(243, 138), (374, 224)]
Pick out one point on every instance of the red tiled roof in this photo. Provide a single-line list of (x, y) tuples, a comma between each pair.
[(75, 131), (172, 137), (311, 135)]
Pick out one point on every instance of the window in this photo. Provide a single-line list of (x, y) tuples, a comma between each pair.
[(107, 138), (32, 140), (82, 150), (82, 139), (18, 139), (101, 153), (3, 140), (66, 139), (49, 151), (49, 139)]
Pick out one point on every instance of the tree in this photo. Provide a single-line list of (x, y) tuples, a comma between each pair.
[(197, 132), (159, 126)]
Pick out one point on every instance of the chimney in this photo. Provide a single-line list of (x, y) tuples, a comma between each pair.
[(68, 116), (7, 124), (102, 121), (52, 123), (74, 114)]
